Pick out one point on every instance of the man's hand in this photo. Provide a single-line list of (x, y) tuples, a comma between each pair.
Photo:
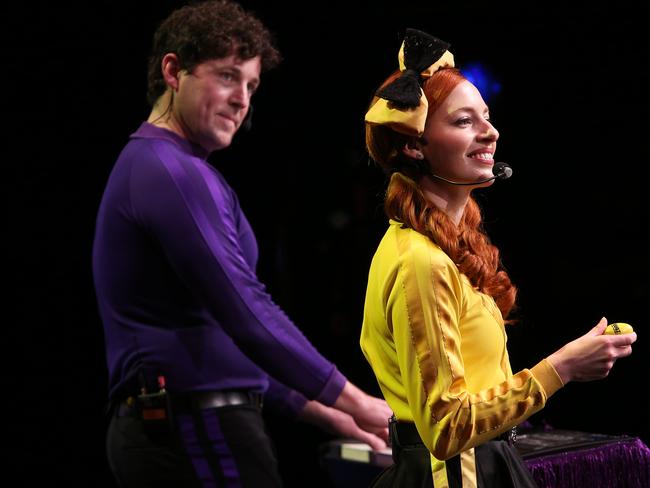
[(369, 413), (342, 424)]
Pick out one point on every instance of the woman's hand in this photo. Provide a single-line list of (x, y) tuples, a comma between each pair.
[(591, 356)]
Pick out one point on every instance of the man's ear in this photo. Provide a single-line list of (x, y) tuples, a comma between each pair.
[(412, 150), (171, 69)]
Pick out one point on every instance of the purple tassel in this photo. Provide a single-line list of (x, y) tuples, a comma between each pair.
[(620, 464)]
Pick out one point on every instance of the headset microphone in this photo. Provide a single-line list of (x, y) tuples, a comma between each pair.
[(500, 170)]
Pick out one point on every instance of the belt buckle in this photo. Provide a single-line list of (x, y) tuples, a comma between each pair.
[(218, 399), (235, 398)]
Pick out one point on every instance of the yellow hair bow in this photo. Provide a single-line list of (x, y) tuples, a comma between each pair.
[(402, 104)]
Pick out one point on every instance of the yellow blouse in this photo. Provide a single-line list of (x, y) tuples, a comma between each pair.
[(438, 348)]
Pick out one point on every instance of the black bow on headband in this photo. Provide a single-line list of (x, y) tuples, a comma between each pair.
[(421, 50)]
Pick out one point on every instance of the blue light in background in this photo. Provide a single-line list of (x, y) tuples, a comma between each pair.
[(482, 79)]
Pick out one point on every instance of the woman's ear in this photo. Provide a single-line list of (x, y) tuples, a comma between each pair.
[(412, 150)]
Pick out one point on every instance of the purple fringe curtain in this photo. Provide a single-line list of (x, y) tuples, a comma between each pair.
[(622, 464)]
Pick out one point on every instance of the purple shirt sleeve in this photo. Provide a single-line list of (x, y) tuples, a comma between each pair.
[(283, 400), (190, 210)]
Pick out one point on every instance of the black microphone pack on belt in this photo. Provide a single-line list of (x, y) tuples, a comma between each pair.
[(155, 409), (500, 171)]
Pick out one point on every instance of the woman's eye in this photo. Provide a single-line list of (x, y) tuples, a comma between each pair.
[(464, 121)]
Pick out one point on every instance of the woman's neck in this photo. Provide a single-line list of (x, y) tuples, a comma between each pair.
[(448, 198)]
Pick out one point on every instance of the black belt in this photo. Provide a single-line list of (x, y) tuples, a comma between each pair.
[(405, 434), (217, 399), (199, 400)]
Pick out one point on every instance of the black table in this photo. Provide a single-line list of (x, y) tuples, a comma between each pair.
[(556, 458)]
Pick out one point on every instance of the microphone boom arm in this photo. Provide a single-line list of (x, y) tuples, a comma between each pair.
[(500, 171)]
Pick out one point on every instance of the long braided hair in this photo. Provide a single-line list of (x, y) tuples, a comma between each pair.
[(466, 244)]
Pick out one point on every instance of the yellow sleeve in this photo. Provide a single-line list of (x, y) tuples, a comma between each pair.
[(423, 311)]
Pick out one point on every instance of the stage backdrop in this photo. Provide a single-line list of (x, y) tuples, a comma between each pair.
[(571, 109)]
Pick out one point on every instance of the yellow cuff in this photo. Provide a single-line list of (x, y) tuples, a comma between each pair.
[(547, 377)]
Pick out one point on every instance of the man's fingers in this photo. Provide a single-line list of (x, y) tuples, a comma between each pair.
[(372, 440)]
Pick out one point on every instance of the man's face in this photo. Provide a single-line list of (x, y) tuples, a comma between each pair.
[(213, 100)]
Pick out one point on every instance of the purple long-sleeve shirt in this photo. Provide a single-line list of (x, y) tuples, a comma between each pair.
[(174, 268)]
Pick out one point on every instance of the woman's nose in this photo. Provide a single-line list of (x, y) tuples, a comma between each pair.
[(491, 133)]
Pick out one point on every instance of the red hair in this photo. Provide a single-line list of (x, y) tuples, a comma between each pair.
[(466, 244)]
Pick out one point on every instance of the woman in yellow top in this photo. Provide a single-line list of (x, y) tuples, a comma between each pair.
[(437, 295)]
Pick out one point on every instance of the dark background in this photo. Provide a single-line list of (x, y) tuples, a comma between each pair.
[(571, 223)]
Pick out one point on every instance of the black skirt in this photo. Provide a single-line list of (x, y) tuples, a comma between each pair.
[(498, 464)]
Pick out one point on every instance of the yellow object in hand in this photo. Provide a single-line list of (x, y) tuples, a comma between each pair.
[(618, 328)]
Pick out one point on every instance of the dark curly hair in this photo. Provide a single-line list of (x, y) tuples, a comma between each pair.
[(208, 30)]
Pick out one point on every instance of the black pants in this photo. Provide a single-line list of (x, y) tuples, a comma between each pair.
[(217, 447)]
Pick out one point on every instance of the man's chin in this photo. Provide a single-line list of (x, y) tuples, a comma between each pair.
[(218, 142)]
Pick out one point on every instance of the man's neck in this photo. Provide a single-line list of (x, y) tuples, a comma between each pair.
[(162, 115)]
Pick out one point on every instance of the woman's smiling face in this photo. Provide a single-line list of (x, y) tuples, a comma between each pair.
[(459, 140)]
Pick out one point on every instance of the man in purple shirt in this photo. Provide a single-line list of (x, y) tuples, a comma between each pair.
[(193, 341)]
